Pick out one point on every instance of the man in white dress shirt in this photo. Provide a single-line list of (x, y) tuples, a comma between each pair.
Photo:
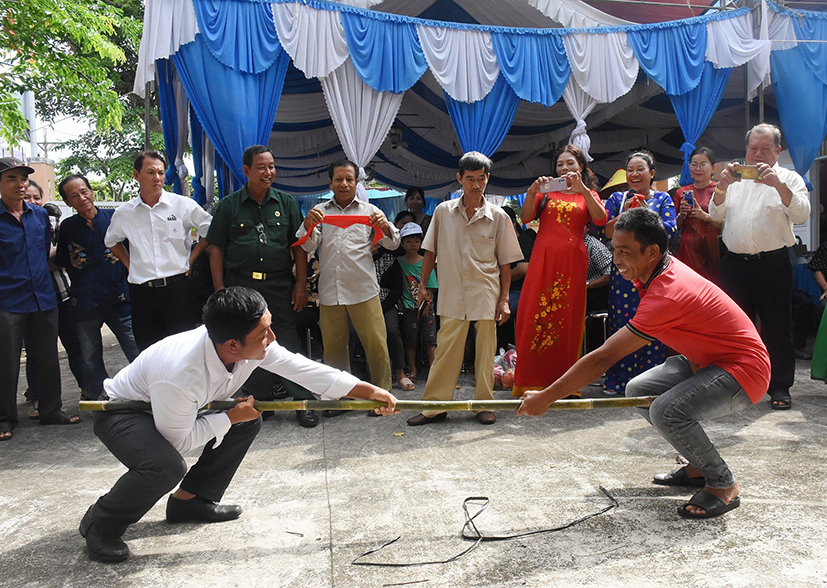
[(347, 277), (758, 220), (178, 376), (157, 225)]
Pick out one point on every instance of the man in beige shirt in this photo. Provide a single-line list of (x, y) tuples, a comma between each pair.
[(474, 243)]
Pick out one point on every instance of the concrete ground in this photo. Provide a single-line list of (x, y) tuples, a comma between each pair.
[(314, 499)]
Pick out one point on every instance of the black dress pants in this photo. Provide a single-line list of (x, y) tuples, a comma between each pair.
[(277, 293), (155, 467), (761, 286), (40, 330), (161, 312)]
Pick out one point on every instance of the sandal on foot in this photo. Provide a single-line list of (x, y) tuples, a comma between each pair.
[(678, 478), (34, 414), (406, 383), (5, 431), (713, 506), (59, 418), (781, 401)]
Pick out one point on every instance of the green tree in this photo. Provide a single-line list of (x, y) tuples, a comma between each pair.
[(109, 155), (78, 57)]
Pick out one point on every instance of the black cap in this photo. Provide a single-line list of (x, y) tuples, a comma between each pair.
[(7, 163)]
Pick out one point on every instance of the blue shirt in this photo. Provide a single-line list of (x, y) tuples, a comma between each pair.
[(98, 277), (25, 282)]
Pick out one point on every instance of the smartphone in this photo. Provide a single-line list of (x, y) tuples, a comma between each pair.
[(688, 196), (554, 185), (747, 172), (421, 307)]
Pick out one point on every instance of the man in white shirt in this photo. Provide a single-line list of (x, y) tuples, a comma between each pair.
[(758, 220), (347, 276), (157, 224), (178, 376)]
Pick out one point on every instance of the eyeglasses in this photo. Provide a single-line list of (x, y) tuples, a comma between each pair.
[(702, 165), (262, 238)]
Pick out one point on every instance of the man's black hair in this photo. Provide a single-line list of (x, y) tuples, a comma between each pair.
[(69, 178), (342, 163), (646, 226), (139, 161), (233, 313), (251, 152), (474, 161)]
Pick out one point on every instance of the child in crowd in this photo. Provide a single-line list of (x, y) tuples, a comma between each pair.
[(415, 321)]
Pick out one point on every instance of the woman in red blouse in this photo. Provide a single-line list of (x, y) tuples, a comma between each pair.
[(699, 239)]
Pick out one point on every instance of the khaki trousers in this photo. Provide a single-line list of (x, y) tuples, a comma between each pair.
[(450, 349), (369, 322)]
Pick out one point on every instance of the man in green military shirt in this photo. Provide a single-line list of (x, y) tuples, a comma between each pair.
[(251, 233)]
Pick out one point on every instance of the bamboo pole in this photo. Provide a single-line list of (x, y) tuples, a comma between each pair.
[(432, 405)]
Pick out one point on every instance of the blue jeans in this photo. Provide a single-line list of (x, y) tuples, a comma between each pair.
[(119, 321), (685, 399)]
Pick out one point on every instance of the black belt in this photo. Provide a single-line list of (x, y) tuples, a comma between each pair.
[(762, 255), (263, 276), (163, 282)]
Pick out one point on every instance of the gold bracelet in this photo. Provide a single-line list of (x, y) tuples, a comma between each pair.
[(717, 190)]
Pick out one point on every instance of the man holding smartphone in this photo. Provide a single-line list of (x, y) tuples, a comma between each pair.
[(758, 216)]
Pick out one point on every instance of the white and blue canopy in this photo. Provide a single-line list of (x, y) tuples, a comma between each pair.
[(407, 96)]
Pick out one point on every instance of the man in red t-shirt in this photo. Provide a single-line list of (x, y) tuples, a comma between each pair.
[(723, 367)]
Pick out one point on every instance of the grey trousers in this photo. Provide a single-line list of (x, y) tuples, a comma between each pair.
[(155, 467), (684, 400)]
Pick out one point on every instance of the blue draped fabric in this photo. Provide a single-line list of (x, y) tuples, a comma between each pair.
[(241, 35), (387, 55), (448, 14), (199, 193), (814, 54), (535, 66), (695, 108), (673, 57), (169, 119), (802, 107), (226, 180), (482, 125), (236, 109)]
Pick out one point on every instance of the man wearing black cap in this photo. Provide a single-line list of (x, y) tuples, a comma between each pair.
[(28, 307)]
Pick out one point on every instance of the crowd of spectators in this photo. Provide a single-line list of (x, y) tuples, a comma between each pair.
[(345, 280)]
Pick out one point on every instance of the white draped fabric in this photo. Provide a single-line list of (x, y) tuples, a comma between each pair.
[(360, 3), (208, 175), (168, 24), (580, 104), (314, 39), (462, 60), (182, 110), (603, 64), (576, 14), (730, 43), (780, 30), (362, 116)]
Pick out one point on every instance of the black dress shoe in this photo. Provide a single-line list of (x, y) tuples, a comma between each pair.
[(307, 418), (801, 354), (329, 414), (421, 419), (101, 547), (201, 510)]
